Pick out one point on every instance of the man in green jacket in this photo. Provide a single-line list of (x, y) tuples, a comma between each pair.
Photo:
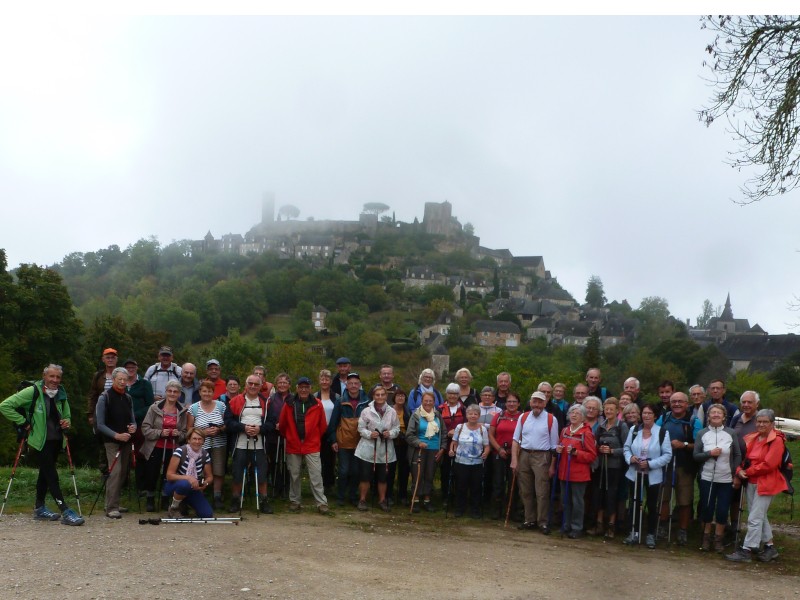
[(41, 412)]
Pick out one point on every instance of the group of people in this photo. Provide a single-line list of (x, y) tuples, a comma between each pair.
[(593, 466)]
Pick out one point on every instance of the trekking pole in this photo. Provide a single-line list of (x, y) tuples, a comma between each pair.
[(416, 482), (633, 504), (244, 476), (641, 506), (374, 465), (566, 494), (553, 485), (255, 478), (14, 471), (671, 500), (449, 487), (510, 495), (72, 472), (160, 487), (275, 467), (132, 477), (742, 502), (284, 481), (105, 481)]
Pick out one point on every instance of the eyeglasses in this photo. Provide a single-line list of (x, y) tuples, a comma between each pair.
[(253, 383)]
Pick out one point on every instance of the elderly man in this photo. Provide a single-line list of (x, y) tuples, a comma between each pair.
[(534, 460), (161, 372), (343, 436), (579, 393), (632, 387), (682, 429), (716, 389), (501, 392), (339, 383), (593, 380), (213, 371), (552, 405), (41, 414), (697, 395), (190, 386), (744, 423)]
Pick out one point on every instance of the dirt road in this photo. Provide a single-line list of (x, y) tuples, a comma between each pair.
[(354, 556)]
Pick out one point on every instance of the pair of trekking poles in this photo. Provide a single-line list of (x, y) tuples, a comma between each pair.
[(111, 469), (22, 443)]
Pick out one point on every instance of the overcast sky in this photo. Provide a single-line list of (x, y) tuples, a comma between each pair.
[(575, 138)]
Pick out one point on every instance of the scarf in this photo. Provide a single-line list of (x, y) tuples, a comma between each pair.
[(430, 417), (191, 465)]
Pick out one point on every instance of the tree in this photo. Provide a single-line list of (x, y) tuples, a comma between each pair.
[(755, 74), (595, 296), (469, 229), (706, 314), (591, 354), (375, 208), (289, 211)]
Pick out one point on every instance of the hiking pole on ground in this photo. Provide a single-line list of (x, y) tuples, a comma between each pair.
[(72, 472), (510, 495), (566, 497), (105, 481), (14, 472), (416, 482)]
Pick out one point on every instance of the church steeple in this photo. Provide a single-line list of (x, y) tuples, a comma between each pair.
[(727, 313)]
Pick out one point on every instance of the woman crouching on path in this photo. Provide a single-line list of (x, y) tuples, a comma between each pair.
[(188, 475)]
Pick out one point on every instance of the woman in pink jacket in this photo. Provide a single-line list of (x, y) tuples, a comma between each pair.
[(760, 474), (576, 451)]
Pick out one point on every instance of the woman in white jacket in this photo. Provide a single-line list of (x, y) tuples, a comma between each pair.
[(378, 425), (647, 450)]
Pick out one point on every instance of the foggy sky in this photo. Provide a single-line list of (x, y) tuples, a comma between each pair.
[(574, 138)]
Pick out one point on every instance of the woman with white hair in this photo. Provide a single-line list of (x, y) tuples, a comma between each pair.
[(424, 384), (467, 394), (577, 450)]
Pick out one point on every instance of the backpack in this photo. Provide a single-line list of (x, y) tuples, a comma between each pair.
[(787, 470), (524, 417), (662, 432), (26, 383)]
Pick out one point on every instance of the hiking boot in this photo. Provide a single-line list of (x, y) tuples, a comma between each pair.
[(114, 514), (42, 513), (123, 509), (384, 506), (264, 506), (428, 505), (662, 534), (650, 541), (741, 555), (527, 525), (633, 538), (294, 507), (174, 511), (70, 517), (362, 505), (545, 529), (415, 508), (323, 509), (596, 530), (218, 503), (575, 535), (768, 553), (150, 504), (719, 543), (235, 505), (610, 531), (683, 537), (705, 545)]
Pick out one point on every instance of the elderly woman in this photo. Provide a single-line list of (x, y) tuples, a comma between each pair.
[(576, 450), (378, 426), (328, 398), (611, 435), (426, 437), (164, 429), (559, 397), (647, 450), (189, 474), (594, 410), (711, 444), (453, 414), (631, 415), (469, 447), (208, 415), (760, 473), (466, 394), (425, 384)]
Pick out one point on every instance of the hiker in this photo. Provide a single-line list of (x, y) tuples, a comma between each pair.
[(303, 425), (717, 450), (501, 434), (577, 450), (343, 436), (426, 437), (164, 429), (427, 378), (115, 420), (611, 435), (678, 487), (631, 415), (469, 447), (466, 393), (327, 456), (190, 473), (399, 470), (647, 451), (378, 426), (159, 373), (532, 457), (208, 415), (48, 417), (763, 480), (453, 414)]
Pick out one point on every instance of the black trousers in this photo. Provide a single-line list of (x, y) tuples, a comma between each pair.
[(48, 474)]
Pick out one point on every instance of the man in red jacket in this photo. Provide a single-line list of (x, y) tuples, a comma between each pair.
[(302, 423)]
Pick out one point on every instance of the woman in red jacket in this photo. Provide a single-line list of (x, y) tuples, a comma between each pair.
[(576, 449), (760, 473), (302, 423)]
